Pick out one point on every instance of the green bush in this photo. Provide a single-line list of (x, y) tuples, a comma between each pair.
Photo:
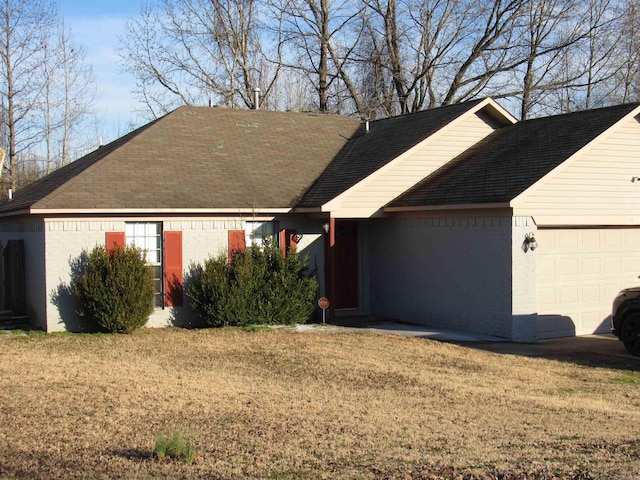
[(259, 287), (115, 289)]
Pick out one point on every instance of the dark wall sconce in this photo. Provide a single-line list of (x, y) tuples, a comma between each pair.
[(530, 242)]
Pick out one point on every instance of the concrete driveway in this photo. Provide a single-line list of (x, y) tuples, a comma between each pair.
[(590, 350)]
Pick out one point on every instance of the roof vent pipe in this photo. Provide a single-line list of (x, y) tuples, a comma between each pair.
[(256, 98), (366, 126), (10, 194)]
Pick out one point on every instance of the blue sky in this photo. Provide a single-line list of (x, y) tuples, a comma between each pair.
[(96, 24)]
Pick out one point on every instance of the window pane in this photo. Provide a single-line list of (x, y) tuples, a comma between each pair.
[(158, 301), (157, 271), (147, 236), (153, 256), (151, 229)]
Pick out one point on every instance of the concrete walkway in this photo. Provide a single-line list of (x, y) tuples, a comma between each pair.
[(386, 326), (604, 350)]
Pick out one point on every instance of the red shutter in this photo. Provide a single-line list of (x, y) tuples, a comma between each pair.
[(173, 269), (287, 240), (113, 240), (237, 243)]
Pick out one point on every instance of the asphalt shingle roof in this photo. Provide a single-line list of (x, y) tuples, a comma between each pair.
[(510, 160), (197, 157), (367, 152)]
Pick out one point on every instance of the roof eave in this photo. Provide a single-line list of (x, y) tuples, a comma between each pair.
[(15, 213), (461, 206), (319, 209), (140, 211)]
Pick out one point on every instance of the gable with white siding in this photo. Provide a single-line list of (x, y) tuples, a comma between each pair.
[(367, 197), (596, 186)]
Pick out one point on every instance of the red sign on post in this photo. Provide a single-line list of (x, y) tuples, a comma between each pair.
[(323, 303)]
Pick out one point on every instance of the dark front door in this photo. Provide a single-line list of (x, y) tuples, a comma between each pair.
[(346, 264)]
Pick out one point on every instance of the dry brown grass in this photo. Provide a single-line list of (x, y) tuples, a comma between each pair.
[(281, 404)]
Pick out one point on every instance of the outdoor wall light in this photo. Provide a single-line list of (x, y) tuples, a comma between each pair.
[(325, 227), (530, 242), (298, 237)]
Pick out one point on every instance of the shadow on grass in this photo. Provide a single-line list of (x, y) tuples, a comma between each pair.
[(599, 351), (132, 454), (595, 351)]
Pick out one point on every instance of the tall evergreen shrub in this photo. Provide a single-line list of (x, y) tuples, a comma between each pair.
[(257, 287), (115, 289)]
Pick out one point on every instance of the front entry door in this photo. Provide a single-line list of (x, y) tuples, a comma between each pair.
[(346, 264)]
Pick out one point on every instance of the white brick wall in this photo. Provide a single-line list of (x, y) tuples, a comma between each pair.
[(452, 273), (65, 241), (201, 239), (460, 273)]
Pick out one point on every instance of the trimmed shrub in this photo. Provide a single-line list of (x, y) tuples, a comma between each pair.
[(115, 289), (258, 287)]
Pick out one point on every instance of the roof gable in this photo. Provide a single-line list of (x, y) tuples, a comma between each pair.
[(511, 160), (197, 158), (594, 186), (386, 139)]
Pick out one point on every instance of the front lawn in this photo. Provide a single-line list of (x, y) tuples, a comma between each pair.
[(283, 404)]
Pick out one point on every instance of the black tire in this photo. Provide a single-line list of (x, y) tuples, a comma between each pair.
[(630, 334)]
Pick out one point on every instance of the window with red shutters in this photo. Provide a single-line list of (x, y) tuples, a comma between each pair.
[(164, 257)]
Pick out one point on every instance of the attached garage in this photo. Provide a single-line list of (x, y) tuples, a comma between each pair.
[(577, 178), (579, 271)]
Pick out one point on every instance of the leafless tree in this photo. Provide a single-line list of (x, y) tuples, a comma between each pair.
[(191, 51), (627, 77), (68, 97), (438, 52), (320, 37), (77, 91), (382, 57), (585, 71), (558, 39), (46, 90), (543, 32), (25, 28)]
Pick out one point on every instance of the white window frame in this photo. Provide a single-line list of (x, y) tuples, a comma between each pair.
[(148, 237)]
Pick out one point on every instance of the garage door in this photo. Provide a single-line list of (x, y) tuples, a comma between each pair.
[(579, 272)]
